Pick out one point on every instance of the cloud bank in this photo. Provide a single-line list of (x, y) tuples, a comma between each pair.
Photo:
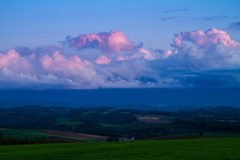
[(109, 60)]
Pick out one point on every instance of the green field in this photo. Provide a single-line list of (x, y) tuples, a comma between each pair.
[(23, 133), (194, 149), (66, 121)]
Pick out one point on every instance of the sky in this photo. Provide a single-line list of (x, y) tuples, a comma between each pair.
[(87, 44)]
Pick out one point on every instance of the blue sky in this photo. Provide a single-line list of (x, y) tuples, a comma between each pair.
[(42, 22), (32, 51)]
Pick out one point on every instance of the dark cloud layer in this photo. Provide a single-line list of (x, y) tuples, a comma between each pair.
[(175, 10), (168, 18), (235, 26), (214, 18)]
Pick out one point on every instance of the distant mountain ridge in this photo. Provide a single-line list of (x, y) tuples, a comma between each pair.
[(153, 99)]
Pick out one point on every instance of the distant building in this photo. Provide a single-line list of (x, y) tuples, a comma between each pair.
[(126, 139)]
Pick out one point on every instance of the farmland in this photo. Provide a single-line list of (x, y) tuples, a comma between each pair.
[(207, 133), (95, 124), (63, 136), (197, 149)]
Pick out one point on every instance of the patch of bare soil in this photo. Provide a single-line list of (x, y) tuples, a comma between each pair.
[(77, 135), (58, 139), (148, 119)]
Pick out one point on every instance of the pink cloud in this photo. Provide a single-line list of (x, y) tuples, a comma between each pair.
[(11, 57), (112, 42), (212, 48), (122, 58), (206, 39), (12, 61), (55, 69), (103, 60), (65, 67), (168, 53), (139, 54), (147, 54)]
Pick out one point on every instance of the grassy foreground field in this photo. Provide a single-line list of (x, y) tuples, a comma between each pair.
[(197, 149)]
